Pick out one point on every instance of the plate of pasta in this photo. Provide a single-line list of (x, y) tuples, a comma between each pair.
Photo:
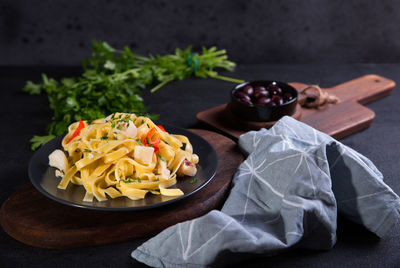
[(122, 162)]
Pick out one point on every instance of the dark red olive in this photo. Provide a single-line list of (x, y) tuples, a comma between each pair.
[(274, 90), (277, 99), (248, 90), (263, 101), (257, 88), (260, 93), (245, 97), (239, 94), (287, 96), (246, 100)]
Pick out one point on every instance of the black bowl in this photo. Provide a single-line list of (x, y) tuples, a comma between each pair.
[(260, 113)]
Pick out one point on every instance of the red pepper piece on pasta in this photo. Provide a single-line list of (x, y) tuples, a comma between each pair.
[(152, 139), (77, 131), (161, 127)]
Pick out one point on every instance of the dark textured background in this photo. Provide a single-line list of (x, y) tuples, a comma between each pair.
[(49, 32)]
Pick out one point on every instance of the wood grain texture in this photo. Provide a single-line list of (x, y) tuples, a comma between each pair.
[(337, 120), (33, 219)]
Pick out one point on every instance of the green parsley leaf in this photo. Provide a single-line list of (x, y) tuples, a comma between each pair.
[(139, 180), (112, 80), (161, 158), (109, 65), (32, 88), (87, 151), (194, 180), (38, 141), (104, 138)]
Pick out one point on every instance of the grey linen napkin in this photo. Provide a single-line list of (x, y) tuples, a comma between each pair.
[(287, 193)]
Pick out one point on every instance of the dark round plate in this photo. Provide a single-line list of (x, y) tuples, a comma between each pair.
[(43, 178)]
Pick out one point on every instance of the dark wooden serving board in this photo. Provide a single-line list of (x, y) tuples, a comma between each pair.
[(34, 219), (337, 120)]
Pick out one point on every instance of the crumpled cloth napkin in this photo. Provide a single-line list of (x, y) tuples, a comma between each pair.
[(287, 193)]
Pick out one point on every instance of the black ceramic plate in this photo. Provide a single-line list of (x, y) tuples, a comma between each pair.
[(43, 178)]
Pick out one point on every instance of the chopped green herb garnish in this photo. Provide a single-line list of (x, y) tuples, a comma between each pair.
[(87, 151), (193, 180), (115, 138), (104, 138), (165, 142), (119, 127), (127, 181), (161, 158), (138, 141), (157, 179), (139, 180), (142, 121), (150, 145)]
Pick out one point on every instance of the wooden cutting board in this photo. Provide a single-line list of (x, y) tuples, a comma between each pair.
[(33, 219), (337, 120)]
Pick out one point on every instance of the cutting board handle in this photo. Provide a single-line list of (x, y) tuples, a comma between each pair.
[(364, 89)]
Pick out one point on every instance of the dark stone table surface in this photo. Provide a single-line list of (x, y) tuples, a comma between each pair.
[(23, 116)]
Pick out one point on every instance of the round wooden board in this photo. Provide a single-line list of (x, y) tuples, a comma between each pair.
[(33, 219)]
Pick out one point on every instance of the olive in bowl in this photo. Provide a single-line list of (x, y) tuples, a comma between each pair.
[(263, 100)]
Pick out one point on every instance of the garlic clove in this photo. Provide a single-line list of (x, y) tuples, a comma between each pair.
[(58, 160)]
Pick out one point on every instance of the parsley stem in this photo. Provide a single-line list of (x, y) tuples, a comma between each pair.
[(154, 89), (226, 78)]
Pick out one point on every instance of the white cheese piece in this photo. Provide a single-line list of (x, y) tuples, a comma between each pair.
[(143, 154), (108, 118), (131, 131)]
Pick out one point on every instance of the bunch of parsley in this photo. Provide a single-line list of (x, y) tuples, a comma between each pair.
[(112, 81)]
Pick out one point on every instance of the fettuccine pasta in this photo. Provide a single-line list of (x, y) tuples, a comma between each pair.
[(123, 155)]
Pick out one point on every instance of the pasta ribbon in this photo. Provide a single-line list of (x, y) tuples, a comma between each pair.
[(123, 155)]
